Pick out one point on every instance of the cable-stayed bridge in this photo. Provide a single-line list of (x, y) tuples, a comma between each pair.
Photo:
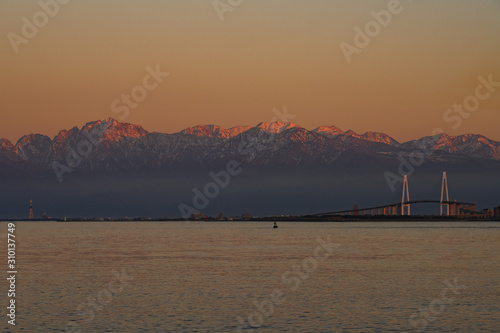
[(446, 206)]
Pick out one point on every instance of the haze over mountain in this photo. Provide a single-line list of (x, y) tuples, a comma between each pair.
[(285, 168)]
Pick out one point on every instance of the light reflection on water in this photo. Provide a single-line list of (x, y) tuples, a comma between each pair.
[(200, 277)]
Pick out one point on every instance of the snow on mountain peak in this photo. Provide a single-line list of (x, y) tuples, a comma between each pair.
[(331, 131), (6, 144), (379, 137), (234, 131), (215, 131), (275, 127), (203, 130), (114, 130)]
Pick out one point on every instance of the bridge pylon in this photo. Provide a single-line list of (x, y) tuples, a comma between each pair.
[(444, 190), (407, 192)]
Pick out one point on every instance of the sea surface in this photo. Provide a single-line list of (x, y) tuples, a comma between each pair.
[(248, 277)]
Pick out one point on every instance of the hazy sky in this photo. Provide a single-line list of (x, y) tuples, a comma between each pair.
[(265, 54)]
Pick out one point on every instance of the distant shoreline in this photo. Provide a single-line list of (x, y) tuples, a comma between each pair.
[(381, 218)]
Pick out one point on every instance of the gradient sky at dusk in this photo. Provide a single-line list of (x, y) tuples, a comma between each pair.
[(266, 54)]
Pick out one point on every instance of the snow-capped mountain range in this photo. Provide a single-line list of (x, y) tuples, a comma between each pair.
[(110, 145), (111, 168)]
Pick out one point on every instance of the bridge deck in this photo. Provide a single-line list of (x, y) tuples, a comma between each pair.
[(395, 205)]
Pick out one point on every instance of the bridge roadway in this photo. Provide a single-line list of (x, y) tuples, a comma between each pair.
[(395, 205)]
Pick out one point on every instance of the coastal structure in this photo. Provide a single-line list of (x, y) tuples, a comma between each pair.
[(446, 206), (31, 210)]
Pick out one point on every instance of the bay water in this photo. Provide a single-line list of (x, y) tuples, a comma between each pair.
[(248, 277)]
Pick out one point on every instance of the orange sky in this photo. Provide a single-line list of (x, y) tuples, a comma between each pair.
[(265, 54)]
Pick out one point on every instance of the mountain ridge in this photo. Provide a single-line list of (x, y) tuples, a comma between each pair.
[(110, 168), (109, 145), (124, 129)]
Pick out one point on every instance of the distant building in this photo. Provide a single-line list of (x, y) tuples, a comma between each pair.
[(355, 210), (486, 213), (246, 216), (198, 216), (496, 211), (458, 209)]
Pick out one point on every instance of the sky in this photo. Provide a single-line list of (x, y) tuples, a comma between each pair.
[(232, 65)]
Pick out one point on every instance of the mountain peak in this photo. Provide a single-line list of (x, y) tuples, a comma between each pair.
[(275, 127), (351, 133), (215, 131), (373, 137), (203, 130), (234, 131), (32, 138), (114, 130), (106, 123), (4, 143), (379, 137), (331, 131)]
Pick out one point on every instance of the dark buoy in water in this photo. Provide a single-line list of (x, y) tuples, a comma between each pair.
[(275, 225)]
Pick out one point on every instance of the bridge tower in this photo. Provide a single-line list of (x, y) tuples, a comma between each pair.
[(403, 204), (31, 210), (444, 190)]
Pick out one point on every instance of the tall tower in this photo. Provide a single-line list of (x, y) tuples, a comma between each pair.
[(407, 192), (31, 209), (444, 189)]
